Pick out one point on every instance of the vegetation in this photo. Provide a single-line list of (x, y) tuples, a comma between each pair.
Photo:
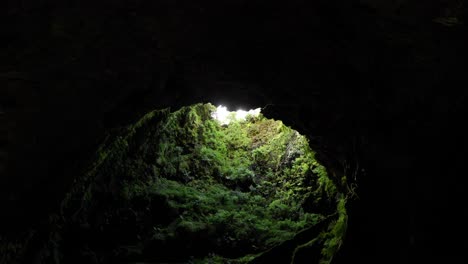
[(214, 193)]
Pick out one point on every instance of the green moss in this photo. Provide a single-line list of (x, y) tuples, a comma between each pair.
[(227, 193), (334, 238)]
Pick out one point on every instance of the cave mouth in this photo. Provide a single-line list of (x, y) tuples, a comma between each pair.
[(239, 183), (215, 187)]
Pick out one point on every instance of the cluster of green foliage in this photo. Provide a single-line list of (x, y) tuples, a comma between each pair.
[(232, 218), (237, 189), (331, 239)]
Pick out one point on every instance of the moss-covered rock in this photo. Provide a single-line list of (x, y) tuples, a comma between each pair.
[(246, 192)]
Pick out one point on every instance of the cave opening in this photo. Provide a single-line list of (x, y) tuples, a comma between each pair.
[(213, 185)]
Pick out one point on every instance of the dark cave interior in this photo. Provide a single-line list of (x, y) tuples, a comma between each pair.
[(378, 81)]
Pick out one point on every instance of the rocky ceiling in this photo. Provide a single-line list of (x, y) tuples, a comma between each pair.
[(382, 73)]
